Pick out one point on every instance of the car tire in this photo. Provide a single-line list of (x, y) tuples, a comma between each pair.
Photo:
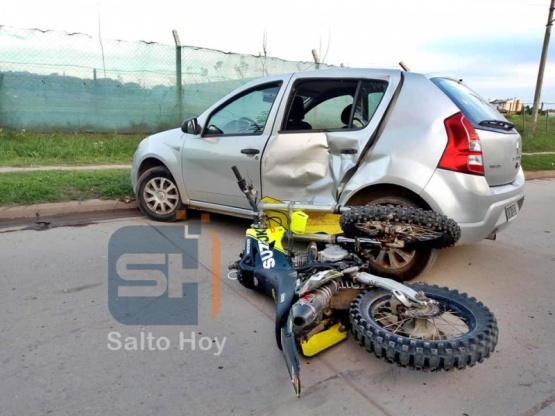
[(395, 263), (157, 195)]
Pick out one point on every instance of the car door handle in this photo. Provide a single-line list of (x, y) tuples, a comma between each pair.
[(349, 151), (250, 151)]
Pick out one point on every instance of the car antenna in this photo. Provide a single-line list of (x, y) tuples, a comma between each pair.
[(404, 66)]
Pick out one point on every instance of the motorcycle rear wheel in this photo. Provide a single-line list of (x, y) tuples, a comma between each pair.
[(414, 226), (462, 333)]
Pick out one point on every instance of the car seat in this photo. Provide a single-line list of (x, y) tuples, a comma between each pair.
[(296, 116), (346, 115)]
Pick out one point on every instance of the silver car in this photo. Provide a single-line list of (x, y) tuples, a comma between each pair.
[(347, 136)]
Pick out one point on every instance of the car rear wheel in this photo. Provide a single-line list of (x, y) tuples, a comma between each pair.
[(157, 194), (400, 264)]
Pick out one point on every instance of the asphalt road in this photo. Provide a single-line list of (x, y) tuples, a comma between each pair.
[(63, 353)]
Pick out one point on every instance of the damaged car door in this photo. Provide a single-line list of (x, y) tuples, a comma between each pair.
[(325, 130)]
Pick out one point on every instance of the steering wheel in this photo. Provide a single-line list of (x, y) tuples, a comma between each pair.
[(251, 124), (241, 125)]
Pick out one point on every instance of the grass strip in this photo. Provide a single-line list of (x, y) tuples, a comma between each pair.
[(538, 162), (544, 137), (26, 188), (24, 148), (21, 148)]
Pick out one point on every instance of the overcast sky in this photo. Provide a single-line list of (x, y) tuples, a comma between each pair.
[(494, 45)]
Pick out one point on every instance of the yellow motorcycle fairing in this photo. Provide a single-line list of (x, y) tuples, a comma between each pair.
[(323, 340), (301, 223), (268, 236)]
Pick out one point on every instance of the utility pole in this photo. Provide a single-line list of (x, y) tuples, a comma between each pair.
[(539, 82)]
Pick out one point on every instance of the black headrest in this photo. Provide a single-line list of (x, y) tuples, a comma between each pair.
[(297, 109), (346, 114)]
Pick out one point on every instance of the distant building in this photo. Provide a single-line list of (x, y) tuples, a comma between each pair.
[(509, 106)]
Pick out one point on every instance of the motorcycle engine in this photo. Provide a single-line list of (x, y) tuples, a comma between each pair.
[(332, 253)]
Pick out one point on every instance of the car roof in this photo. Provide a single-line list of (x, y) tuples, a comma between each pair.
[(330, 72), (348, 72)]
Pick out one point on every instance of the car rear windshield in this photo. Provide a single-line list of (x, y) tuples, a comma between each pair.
[(474, 107)]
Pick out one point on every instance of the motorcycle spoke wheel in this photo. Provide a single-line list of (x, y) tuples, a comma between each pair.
[(387, 232), (392, 225), (457, 332), (443, 327)]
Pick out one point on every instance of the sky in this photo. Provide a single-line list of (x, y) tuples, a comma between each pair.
[(493, 45)]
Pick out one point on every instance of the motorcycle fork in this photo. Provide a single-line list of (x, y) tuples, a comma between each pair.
[(404, 294)]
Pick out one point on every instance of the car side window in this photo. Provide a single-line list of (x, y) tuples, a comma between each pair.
[(245, 114), (328, 114), (331, 104), (368, 99)]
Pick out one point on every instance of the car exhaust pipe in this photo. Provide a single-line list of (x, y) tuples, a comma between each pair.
[(492, 236)]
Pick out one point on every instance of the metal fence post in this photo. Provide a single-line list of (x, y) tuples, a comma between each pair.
[(316, 59), (178, 82)]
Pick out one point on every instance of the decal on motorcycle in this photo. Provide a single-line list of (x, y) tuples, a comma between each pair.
[(266, 255), (262, 235), (272, 236)]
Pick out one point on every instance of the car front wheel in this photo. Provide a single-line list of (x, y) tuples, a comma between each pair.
[(157, 194)]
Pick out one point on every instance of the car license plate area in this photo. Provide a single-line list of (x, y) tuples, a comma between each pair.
[(511, 211)]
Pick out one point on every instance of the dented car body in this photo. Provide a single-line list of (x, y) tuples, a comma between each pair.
[(347, 136)]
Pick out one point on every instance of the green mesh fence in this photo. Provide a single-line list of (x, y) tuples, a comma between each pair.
[(55, 81)]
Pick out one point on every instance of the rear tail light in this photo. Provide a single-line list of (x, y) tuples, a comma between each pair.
[(463, 152)]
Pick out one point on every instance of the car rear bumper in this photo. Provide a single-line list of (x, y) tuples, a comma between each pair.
[(480, 210)]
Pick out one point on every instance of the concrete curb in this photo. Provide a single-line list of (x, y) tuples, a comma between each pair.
[(62, 208), (540, 174)]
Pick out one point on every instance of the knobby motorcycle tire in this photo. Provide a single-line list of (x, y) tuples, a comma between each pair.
[(458, 352), (449, 230)]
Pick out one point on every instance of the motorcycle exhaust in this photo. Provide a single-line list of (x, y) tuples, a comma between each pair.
[(311, 306)]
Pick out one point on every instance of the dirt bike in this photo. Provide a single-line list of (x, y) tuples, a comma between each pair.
[(324, 289)]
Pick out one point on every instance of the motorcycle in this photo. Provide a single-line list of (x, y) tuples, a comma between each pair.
[(323, 290)]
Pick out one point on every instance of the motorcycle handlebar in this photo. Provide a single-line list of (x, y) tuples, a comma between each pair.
[(237, 173), (240, 180)]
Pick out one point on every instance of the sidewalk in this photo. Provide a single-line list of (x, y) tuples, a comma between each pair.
[(97, 205)]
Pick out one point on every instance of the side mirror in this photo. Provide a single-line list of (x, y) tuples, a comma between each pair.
[(190, 126)]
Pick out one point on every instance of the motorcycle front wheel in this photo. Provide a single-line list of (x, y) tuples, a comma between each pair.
[(456, 333)]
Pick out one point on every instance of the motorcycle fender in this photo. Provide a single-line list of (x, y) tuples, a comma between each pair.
[(284, 300), (291, 354)]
